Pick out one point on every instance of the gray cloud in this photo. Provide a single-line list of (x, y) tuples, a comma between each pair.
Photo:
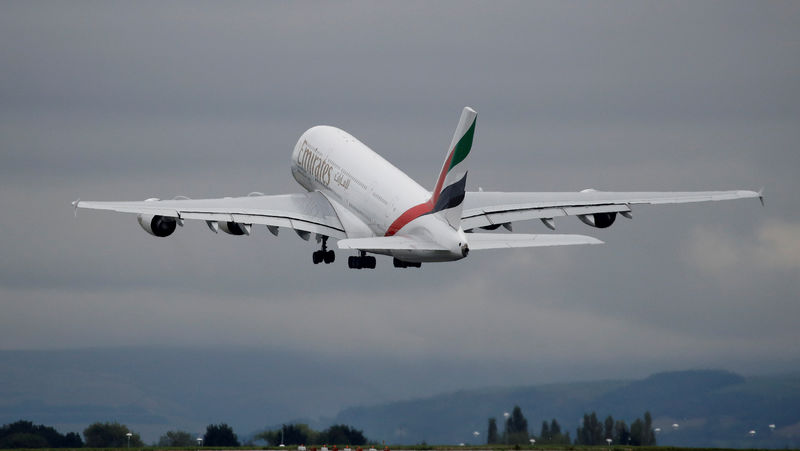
[(130, 101)]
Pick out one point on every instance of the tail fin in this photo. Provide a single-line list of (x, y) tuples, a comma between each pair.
[(448, 195)]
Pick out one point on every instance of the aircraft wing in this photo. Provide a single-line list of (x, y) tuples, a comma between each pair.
[(483, 209), (306, 212)]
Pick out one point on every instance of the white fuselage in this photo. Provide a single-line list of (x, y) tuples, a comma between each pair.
[(368, 193)]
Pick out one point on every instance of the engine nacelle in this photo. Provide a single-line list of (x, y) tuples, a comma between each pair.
[(506, 225), (599, 220), (159, 226), (234, 228)]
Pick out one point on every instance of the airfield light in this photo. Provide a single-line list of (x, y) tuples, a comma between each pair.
[(506, 414), (533, 441), (608, 440), (752, 433), (657, 430), (675, 426), (199, 441), (129, 439), (771, 427)]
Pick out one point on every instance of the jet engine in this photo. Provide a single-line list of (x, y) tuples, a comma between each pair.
[(155, 225), (234, 228), (599, 220)]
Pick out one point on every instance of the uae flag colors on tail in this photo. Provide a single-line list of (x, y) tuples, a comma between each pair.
[(447, 198)]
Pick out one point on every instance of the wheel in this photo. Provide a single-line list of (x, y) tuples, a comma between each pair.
[(399, 263), (329, 257), (369, 262), (316, 257), (352, 262)]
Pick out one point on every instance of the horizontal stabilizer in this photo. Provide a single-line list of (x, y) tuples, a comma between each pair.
[(388, 243), (478, 241)]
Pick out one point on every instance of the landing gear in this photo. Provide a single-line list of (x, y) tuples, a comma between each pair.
[(401, 264), (323, 255), (362, 261)]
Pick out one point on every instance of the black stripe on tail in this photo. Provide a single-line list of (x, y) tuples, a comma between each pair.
[(451, 196)]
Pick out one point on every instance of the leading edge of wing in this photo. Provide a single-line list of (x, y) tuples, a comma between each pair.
[(498, 200), (310, 212), (481, 241)]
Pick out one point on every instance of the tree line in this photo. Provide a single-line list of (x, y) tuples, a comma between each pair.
[(591, 431), (302, 434), (24, 434)]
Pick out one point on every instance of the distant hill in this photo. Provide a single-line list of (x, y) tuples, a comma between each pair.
[(154, 390), (712, 408)]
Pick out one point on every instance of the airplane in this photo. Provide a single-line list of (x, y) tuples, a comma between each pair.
[(371, 207)]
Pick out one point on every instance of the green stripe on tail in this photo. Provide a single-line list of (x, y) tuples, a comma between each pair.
[(463, 147)]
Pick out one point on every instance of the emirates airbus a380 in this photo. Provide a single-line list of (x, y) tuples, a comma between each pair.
[(370, 206)]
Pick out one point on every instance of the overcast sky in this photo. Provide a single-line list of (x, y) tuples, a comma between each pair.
[(131, 100)]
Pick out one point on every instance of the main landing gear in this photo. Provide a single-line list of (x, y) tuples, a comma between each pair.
[(362, 261), (402, 264), (323, 255)]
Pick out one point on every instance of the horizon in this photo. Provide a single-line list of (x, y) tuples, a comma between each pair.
[(158, 390)]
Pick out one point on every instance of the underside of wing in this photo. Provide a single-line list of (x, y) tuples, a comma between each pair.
[(305, 212), (488, 209), (481, 241)]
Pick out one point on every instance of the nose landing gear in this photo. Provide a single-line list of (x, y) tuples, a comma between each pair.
[(323, 255)]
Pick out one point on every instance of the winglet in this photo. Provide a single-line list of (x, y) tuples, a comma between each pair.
[(75, 206), (761, 195)]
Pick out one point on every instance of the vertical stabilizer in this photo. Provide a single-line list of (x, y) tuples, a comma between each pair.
[(447, 199), (448, 195)]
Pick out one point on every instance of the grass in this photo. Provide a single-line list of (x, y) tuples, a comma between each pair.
[(414, 448)]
